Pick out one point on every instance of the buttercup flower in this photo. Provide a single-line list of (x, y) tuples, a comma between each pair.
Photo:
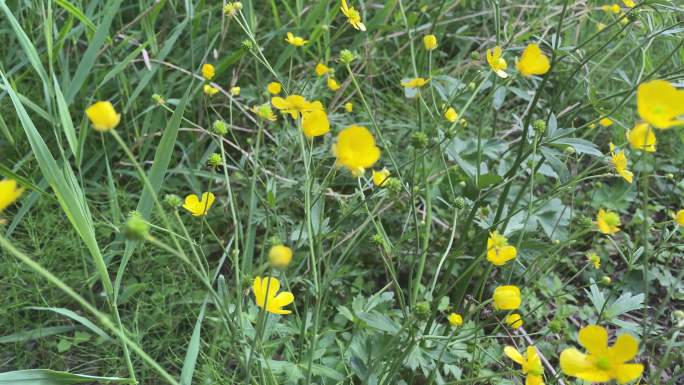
[(381, 177), (614, 8), (279, 256), (679, 216), (660, 104), (498, 250), (349, 106), (265, 112), (608, 222), (198, 207), (333, 85), (496, 62), (533, 61), (451, 115), (353, 16), (594, 259), (641, 137), (514, 320), (430, 42), (355, 149), (9, 193), (619, 161), (235, 91), (315, 122), (530, 362), (629, 3), (209, 90), (274, 88), (606, 122), (602, 363), (455, 319), (507, 297), (295, 40), (321, 69), (293, 105), (208, 71), (265, 290), (415, 83), (103, 116)]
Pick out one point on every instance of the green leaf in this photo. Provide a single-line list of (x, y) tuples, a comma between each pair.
[(80, 319), (580, 145), (51, 377), (487, 180), (192, 352), (30, 335)]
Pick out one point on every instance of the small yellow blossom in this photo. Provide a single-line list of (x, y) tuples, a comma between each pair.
[(600, 27), (235, 91), (606, 122), (349, 106), (641, 137), (514, 320), (507, 297), (430, 42), (455, 319), (315, 122), (679, 217), (660, 104), (103, 116), (279, 256), (321, 69), (594, 259), (451, 115), (381, 177), (619, 161), (608, 222), (208, 71), (274, 88), (265, 112), (353, 16), (355, 149), (496, 62), (498, 250), (9, 193), (629, 3), (265, 290), (293, 105), (333, 85), (295, 40), (533, 61), (198, 207), (415, 83), (530, 362), (602, 363), (209, 90)]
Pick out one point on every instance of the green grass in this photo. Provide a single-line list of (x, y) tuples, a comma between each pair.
[(376, 271)]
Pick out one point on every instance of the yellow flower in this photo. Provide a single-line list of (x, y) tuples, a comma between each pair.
[(608, 222), (198, 207), (295, 40), (355, 149), (451, 115), (430, 42), (641, 137), (321, 69), (315, 122), (103, 116), (353, 16), (629, 3), (660, 103), (496, 62), (235, 91), (415, 83), (533, 61), (594, 259), (209, 90), (279, 256), (455, 319), (498, 250), (381, 177), (506, 297), (333, 85), (293, 105), (9, 193), (274, 88), (265, 290), (530, 362), (208, 71), (606, 122), (514, 320), (603, 363), (600, 27), (619, 161), (349, 106), (679, 217), (265, 112)]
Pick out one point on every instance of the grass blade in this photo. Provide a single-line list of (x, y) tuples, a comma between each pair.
[(193, 349), (78, 318), (51, 377)]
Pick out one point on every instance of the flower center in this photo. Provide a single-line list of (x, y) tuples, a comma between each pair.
[(603, 363), (612, 219)]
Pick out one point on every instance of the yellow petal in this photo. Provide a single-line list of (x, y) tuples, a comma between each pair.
[(572, 362), (641, 137), (103, 116), (624, 349), (9, 192), (259, 295), (534, 380), (533, 61), (514, 354), (594, 338), (315, 123), (628, 372)]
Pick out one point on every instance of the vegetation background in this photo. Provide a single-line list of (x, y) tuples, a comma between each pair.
[(376, 271)]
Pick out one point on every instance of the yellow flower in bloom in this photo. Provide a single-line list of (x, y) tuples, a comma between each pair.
[(265, 290), (209, 90), (353, 16), (594, 259), (606, 122), (660, 103), (293, 105), (265, 112), (103, 116), (679, 217), (451, 115), (321, 69), (333, 85), (530, 362), (602, 363), (506, 297), (619, 161), (280, 256), (498, 250), (430, 42), (514, 320), (455, 319), (496, 62), (381, 177), (9, 193), (295, 40), (208, 71), (198, 207), (235, 91), (415, 83), (355, 149), (274, 88), (315, 122), (641, 137), (629, 3), (533, 61), (349, 106), (614, 8), (608, 222)]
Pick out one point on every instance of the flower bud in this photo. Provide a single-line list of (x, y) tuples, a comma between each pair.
[(605, 280), (219, 127), (136, 227), (419, 140), (215, 160), (459, 203), (235, 91), (422, 309), (539, 126), (247, 44), (158, 99), (475, 55), (173, 200), (347, 56)]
